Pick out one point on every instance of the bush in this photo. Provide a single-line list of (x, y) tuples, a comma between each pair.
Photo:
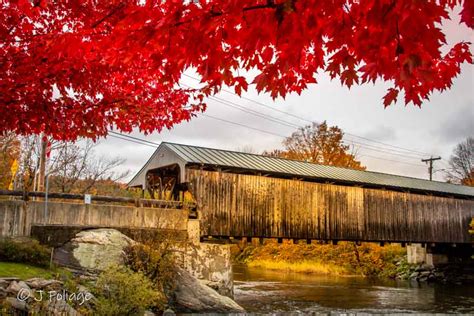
[(121, 291), (24, 250), (155, 259)]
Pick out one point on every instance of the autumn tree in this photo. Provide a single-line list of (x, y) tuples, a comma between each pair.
[(72, 168), (462, 163), (78, 68), (77, 169), (9, 155), (28, 163), (318, 143)]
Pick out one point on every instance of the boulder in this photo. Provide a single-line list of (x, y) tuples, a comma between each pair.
[(9, 279), (439, 275), (169, 312), (212, 284), (17, 286), (424, 267), (4, 283), (15, 303), (3, 292), (93, 250), (60, 308), (192, 295), (40, 283)]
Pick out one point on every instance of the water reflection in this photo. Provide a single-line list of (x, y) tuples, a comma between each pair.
[(265, 291)]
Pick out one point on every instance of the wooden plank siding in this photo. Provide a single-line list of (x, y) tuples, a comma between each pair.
[(237, 205)]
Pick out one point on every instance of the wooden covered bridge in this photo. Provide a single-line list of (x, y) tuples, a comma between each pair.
[(247, 195)]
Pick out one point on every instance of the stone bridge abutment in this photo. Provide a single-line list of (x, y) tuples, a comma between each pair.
[(61, 221)]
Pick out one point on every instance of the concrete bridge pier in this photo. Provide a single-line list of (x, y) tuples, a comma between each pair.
[(439, 254), (208, 262), (416, 254)]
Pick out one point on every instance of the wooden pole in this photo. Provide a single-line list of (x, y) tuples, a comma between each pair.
[(430, 162), (42, 165)]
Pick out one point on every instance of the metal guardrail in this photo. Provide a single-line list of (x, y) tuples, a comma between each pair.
[(100, 198)]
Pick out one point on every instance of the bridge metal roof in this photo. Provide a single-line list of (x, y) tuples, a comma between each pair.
[(280, 166)]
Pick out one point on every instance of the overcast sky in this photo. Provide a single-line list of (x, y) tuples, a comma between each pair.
[(436, 128)]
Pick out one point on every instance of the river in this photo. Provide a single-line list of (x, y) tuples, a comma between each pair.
[(264, 291)]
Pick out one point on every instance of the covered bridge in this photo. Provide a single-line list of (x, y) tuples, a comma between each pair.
[(247, 195)]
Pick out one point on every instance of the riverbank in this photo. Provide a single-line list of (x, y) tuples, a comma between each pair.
[(119, 276), (345, 258)]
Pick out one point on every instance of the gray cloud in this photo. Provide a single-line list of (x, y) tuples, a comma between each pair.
[(458, 125), (382, 133)]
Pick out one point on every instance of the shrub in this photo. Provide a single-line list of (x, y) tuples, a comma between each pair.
[(121, 291), (24, 250), (154, 258)]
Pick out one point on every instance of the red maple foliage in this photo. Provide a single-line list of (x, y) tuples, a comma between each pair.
[(76, 68)]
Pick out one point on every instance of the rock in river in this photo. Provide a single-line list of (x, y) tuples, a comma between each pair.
[(192, 295), (94, 249)]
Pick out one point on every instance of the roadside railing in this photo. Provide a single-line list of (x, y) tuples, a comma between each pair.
[(88, 199)]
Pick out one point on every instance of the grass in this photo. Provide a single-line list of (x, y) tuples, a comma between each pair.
[(345, 258), (25, 271), (302, 267)]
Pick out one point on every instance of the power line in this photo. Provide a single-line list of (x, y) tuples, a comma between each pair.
[(135, 138), (420, 153), (141, 141), (286, 123), (249, 111), (255, 113), (391, 160), (289, 124), (282, 136), (382, 150), (366, 146), (309, 121), (131, 140), (242, 125), (257, 102)]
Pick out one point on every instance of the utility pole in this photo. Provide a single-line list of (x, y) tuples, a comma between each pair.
[(430, 168), (45, 152), (42, 164)]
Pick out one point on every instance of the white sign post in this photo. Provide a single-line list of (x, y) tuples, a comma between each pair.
[(87, 198)]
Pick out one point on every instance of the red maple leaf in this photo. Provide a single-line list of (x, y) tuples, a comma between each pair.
[(77, 68)]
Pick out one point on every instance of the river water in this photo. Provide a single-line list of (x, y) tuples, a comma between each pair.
[(265, 291)]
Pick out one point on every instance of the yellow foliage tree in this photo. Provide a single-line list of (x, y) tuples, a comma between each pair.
[(318, 143), (9, 153)]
